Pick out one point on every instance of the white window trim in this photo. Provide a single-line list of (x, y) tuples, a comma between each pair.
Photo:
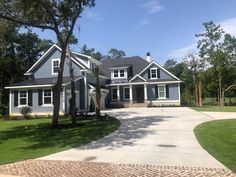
[(124, 93), (119, 77), (21, 105), (151, 73), (112, 94), (53, 73), (159, 91), (47, 96)]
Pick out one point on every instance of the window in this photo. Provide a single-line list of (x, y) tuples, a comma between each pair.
[(153, 73), (114, 94), (162, 91), (119, 73), (116, 73), (47, 96), (122, 73), (126, 93), (23, 97), (55, 66)]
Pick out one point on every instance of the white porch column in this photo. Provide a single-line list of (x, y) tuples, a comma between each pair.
[(118, 93), (145, 93), (130, 94), (85, 92)]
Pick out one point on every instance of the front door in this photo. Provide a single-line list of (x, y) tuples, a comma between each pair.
[(140, 94)]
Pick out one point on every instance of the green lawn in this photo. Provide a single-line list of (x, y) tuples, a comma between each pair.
[(216, 108), (219, 139), (26, 139)]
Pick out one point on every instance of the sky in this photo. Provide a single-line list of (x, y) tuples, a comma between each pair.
[(166, 28)]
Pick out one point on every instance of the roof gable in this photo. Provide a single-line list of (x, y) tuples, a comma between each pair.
[(160, 67), (77, 58), (137, 78)]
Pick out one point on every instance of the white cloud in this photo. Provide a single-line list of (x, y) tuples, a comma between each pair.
[(182, 52), (152, 6), (142, 23), (93, 16), (229, 26)]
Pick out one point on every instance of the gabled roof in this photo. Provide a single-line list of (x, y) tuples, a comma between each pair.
[(137, 76), (159, 66), (136, 63), (76, 58)]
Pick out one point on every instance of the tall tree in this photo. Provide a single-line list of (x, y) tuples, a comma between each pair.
[(52, 15), (115, 53), (211, 49)]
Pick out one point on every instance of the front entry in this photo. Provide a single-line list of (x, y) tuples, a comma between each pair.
[(140, 94)]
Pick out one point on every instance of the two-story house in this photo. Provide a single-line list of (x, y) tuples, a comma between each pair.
[(125, 82), (135, 81), (37, 93)]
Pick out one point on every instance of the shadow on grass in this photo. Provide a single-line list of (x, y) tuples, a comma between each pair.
[(41, 136)]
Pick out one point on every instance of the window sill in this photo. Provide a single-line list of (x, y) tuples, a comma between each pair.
[(47, 105), (20, 106), (161, 98)]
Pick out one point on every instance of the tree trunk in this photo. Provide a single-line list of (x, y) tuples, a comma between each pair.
[(220, 89), (222, 101), (196, 93), (73, 110), (98, 94), (57, 88), (200, 93)]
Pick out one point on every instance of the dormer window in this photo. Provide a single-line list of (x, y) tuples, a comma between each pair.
[(154, 73), (116, 74), (55, 66), (122, 73), (119, 73)]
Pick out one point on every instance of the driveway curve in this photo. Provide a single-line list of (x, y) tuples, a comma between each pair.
[(162, 136)]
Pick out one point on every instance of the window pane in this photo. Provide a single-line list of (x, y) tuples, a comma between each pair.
[(126, 93), (122, 73), (161, 88), (55, 66), (22, 101), (162, 94), (153, 73), (115, 73), (22, 94), (47, 100), (47, 92)]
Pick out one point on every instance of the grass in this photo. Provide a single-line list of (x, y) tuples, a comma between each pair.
[(215, 108), (26, 139), (219, 139)]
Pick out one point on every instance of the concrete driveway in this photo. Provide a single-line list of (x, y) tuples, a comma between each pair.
[(162, 136)]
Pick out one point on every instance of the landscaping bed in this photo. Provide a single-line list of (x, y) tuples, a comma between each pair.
[(27, 139)]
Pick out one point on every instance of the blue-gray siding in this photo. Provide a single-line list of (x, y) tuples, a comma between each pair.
[(44, 70), (35, 107), (163, 74)]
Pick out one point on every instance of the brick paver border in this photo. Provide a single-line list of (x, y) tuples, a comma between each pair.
[(46, 168)]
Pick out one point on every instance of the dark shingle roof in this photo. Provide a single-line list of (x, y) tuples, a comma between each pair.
[(41, 81), (136, 63)]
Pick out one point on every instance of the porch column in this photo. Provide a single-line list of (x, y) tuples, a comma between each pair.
[(130, 94), (118, 93), (145, 93)]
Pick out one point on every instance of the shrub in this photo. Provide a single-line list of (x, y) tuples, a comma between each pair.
[(25, 111)]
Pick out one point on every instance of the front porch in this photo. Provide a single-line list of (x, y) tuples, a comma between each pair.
[(129, 96)]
